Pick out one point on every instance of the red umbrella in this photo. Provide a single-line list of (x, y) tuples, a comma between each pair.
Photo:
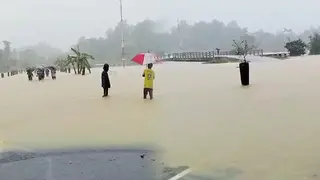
[(145, 58)]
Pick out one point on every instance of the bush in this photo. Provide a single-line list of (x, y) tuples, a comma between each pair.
[(314, 44), (296, 48)]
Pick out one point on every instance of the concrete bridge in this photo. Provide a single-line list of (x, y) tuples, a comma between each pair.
[(206, 56)]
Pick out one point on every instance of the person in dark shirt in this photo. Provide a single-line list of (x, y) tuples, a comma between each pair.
[(47, 71), (40, 74), (29, 73), (105, 82), (53, 74)]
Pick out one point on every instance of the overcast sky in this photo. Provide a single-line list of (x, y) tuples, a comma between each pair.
[(62, 22)]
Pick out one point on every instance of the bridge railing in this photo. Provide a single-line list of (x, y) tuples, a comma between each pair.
[(206, 55)]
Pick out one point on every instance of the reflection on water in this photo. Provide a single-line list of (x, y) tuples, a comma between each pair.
[(200, 116)]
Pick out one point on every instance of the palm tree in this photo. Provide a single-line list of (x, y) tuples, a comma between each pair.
[(85, 63), (71, 60), (81, 60), (77, 58)]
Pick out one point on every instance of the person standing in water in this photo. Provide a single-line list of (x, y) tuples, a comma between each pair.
[(149, 76), (30, 74), (47, 72), (105, 82), (40, 74), (53, 74)]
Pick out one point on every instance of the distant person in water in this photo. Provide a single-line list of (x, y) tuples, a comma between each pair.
[(47, 72), (149, 76), (30, 74), (105, 82), (53, 74), (40, 74)]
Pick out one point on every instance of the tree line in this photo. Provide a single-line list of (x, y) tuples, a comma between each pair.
[(149, 35), (299, 47), (13, 58)]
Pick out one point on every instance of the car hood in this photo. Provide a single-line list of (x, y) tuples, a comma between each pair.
[(85, 164)]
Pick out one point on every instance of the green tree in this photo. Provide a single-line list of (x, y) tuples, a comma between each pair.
[(151, 35), (296, 48), (81, 60), (2, 64), (7, 49), (314, 44), (242, 48), (71, 61)]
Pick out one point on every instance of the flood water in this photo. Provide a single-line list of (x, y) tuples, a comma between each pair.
[(200, 116)]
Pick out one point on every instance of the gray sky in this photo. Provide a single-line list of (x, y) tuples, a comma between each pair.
[(62, 22)]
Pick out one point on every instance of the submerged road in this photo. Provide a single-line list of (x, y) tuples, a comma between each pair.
[(201, 117)]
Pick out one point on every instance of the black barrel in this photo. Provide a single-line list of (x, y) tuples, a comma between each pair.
[(244, 73)]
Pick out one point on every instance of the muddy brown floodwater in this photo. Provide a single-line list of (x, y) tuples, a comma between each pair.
[(200, 116)]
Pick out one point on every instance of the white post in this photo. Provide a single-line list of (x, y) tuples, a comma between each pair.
[(122, 38)]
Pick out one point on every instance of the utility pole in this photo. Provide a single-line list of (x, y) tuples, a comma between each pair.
[(122, 38)]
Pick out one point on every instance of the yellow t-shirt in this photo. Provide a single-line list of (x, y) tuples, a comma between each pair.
[(148, 78)]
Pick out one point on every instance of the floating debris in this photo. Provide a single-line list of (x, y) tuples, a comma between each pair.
[(142, 156)]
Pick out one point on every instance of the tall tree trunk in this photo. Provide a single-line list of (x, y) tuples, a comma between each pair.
[(83, 71), (79, 68), (74, 68)]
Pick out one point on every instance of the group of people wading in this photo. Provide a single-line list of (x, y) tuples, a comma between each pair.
[(41, 73)]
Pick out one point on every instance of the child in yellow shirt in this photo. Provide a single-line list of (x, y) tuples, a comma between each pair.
[(149, 76)]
